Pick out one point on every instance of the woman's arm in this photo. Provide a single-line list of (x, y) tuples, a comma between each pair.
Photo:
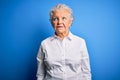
[(40, 62), (85, 63)]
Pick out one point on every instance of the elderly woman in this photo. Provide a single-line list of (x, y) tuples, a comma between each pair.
[(63, 56)]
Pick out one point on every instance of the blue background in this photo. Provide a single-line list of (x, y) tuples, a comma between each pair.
[(25, 23)]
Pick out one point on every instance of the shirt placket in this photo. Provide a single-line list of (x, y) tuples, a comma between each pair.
[(63, 59), (62, 48)]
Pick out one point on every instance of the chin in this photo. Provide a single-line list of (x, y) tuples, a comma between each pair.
[(59, 32)]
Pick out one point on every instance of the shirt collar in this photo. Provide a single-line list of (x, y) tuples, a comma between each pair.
[(69, 37)]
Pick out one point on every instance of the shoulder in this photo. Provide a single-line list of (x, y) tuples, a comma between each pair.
[(46, 40), (78, 39)]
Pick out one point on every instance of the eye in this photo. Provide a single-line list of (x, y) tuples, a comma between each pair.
[(64, 18), (54, 19)]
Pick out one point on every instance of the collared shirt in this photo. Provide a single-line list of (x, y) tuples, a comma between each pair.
[(65, 59)]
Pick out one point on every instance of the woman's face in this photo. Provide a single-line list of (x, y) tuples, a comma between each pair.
[(61, 21)]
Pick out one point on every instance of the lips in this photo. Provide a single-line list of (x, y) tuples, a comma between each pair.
[(59, 26)]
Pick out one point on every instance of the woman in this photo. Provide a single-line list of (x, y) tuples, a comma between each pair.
[(63, 56)]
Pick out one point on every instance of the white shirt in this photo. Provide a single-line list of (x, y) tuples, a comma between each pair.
[(65, 59)]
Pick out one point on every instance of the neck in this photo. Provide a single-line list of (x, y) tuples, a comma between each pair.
[(62, 35)]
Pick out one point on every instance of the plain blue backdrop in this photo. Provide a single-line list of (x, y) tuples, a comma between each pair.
[(25, 23)]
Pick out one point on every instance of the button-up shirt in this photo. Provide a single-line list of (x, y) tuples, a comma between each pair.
[(65, 59)]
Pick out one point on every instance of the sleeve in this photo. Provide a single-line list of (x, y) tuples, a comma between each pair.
[(40, 62), (85, 63)]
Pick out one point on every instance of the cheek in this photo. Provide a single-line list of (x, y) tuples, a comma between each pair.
[(68, 24)]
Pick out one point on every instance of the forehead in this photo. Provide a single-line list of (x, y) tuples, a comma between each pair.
[(60, 12)]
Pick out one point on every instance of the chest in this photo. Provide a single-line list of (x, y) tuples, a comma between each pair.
[(63, 53)]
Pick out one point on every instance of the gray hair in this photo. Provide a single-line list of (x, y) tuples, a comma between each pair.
[(61, 7)]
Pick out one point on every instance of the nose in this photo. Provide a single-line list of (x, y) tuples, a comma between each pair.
[(59, 21)]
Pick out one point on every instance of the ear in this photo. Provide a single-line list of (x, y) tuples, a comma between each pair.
[(71, 21)]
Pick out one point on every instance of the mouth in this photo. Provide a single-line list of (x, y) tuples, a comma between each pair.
[(59, 26)]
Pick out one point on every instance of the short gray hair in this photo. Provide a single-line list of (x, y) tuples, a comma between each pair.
[(61, 7)]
